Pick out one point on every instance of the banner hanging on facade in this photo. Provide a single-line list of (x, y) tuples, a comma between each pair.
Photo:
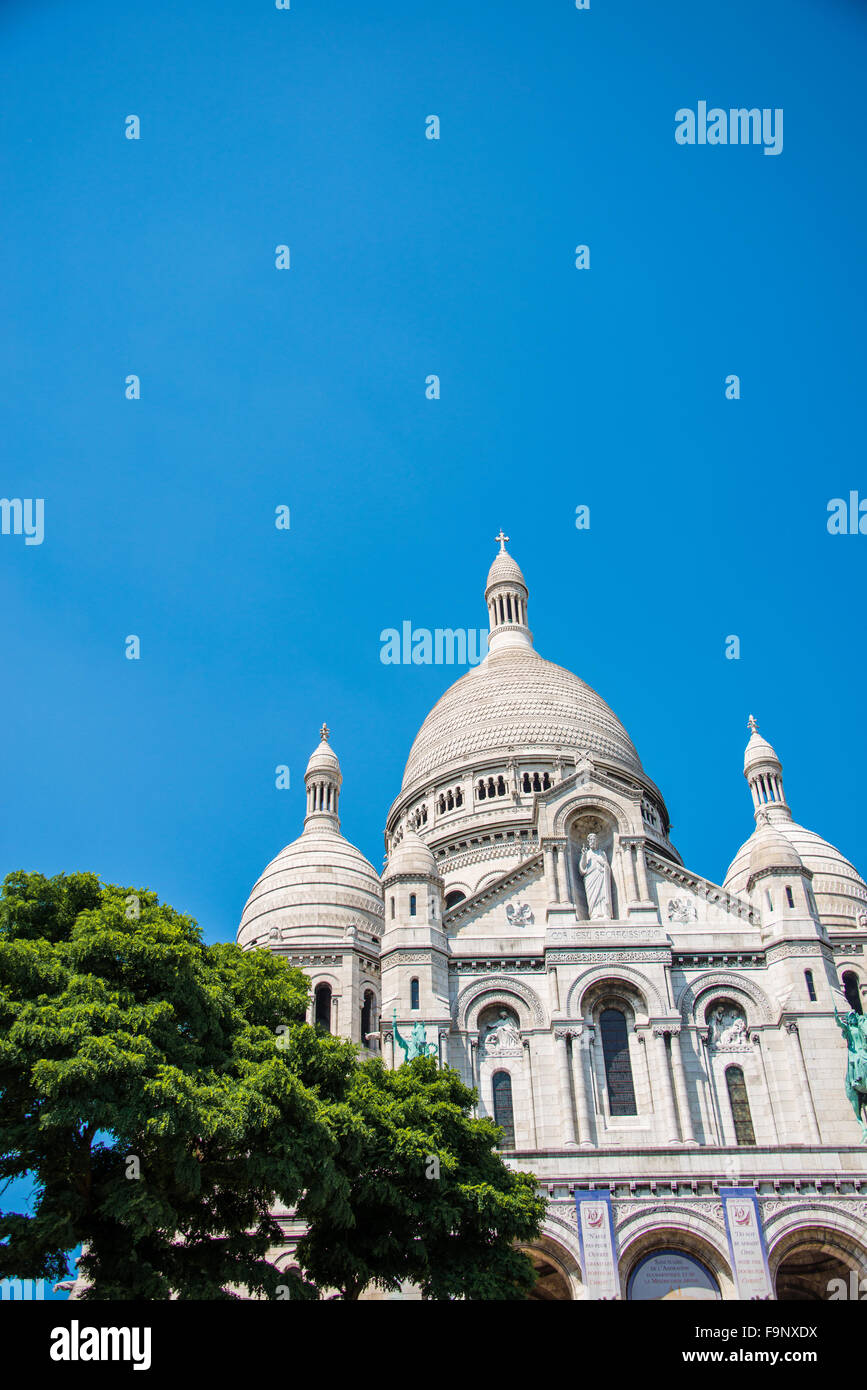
[(747, 1250), (598, 1250)]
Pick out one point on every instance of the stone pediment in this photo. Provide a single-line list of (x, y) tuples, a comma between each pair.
[(507, 886), (686, 899)]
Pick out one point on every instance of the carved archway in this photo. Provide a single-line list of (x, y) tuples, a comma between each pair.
[(724, 983), (487, 990)]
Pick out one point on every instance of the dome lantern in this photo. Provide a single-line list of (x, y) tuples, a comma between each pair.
[(506, 597), (764, 773), (322, 779)]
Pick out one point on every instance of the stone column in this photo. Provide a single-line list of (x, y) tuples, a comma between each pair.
[(558, 877), (598, 1063), (585, 1133), (550, 880), (567, 1115), (669, 1114), (335, 1012), (710, 1080), (443, 1050), (772, 1103), (388, 1048), (528, 1072), (555, 988), (643, 889), (628, 871), (803, 1080), (474, 1066), (681, 1090), (569, 872)]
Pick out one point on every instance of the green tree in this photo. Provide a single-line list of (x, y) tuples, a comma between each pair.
[(431, 1201), (127, 1045), (165, 1096)]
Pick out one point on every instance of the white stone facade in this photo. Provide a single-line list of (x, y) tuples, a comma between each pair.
[(662, 1035)]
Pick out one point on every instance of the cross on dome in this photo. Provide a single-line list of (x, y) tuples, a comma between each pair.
[(502, 539), (752, 725), (323, 733)]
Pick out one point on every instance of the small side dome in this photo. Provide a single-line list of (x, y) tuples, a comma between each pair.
[(412, 857), (771, 850)]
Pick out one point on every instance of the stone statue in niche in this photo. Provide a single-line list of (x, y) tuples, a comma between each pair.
[(502, 1033), (728, 1028), (596, 873)]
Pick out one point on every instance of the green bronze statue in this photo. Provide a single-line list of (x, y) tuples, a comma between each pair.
[(418, 1046), (854, 1030)]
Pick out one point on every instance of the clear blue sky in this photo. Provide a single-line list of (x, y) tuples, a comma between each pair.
[(306, 387)]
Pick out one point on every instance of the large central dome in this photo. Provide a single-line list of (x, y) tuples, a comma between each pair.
[(516, 700)]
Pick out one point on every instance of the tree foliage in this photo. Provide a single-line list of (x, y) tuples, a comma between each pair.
[(127, 1044), (165, 1096), (431, 1201)]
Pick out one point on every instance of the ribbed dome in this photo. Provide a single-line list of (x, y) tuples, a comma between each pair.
[(758, 752), (411, 856), (323, 759), (837, 885), (772, 850), (319, 882), (516, 699), (505, 570)]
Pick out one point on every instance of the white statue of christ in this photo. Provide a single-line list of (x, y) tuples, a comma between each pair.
[(596, 872)]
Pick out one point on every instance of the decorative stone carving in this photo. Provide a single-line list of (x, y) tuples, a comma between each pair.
[(493, 985), (728, 1029), (720, 981), (519, 915), (596, 873), (681, 910), (501, 1037)]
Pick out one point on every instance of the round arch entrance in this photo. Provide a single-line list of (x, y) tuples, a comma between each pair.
[(819, 1265), (556, 1273)]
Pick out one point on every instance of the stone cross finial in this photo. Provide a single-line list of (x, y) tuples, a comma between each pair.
[(752, 725), (323, 733), (502, 539)]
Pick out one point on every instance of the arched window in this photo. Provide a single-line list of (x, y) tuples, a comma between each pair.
[(367, 1017), (501, 787), (504, 1115), (789, 896), (537, 785), (526, 783), (412, 904), (618, 1067), (459, 797), (392, 905), (454, 897), (546, 781), (811, 988), (322, 1007), (852, 992), (481, 791), (413, 994), (740, 1104)]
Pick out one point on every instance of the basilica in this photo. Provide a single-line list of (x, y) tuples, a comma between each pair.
[(661, 1051)]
